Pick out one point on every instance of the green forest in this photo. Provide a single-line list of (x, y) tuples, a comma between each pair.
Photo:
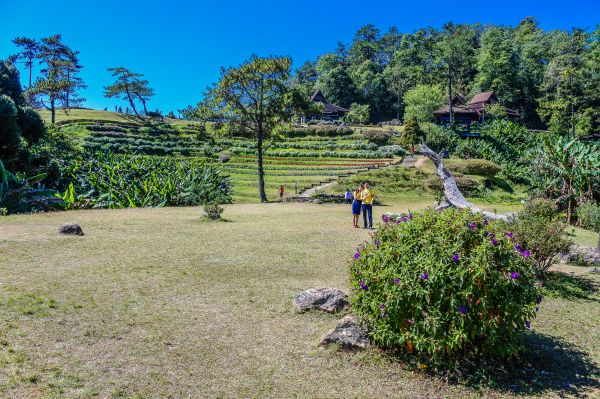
[(552, 78)]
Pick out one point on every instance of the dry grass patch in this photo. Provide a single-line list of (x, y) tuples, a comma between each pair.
[(159, 303)]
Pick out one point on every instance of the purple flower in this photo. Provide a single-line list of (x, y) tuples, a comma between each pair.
[(398, 221), (518, 248), (382, 314), (485, 233), (514, 275), (455, 257), (494, 242), (385, 218), (485, 222), (527, 324), (410, 216), (363, 286), (397, 281), (492, 235), (473, 225), (382, 305), (356, 255), (537, 308), (424, 276), (404, 219), (525, 254), (463, 309), (509, 234), (377, 243), (538, 284)]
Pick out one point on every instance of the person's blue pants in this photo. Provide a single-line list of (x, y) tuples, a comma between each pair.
[(367, 209)]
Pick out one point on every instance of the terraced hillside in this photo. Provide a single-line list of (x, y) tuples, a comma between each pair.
[(307, 158)]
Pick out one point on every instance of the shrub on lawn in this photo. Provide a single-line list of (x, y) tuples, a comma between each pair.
[(379, 137), (445, 284), (439, 138), (539, 229), (479, 167), (589, 217)]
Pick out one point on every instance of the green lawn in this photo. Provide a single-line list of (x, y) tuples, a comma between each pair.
[(159, 303), (99, 115)]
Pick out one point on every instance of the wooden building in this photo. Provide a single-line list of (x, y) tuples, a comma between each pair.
[(330, 111), (473, 112)]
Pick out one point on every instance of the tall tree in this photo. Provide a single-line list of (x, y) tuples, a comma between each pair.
[(55, 82), (29, 51), (254, 97), (72, 68), (456, 52), (498, 66), (143, 92), (125, 86)]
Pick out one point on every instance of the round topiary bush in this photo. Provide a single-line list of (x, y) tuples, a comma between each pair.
[(479, 167), (444, 284)]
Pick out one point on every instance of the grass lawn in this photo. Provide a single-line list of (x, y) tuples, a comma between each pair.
[(77, 114), (159, 303)]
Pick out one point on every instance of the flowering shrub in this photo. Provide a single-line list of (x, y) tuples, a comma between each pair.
[(444, 284)]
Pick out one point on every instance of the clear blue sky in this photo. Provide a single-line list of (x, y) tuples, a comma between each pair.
[(180, 45)]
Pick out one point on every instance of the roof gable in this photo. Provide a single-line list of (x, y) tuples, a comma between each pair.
[(319, 97), (484, 97)]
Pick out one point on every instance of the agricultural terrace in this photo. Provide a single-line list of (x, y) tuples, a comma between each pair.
[(298, 162)]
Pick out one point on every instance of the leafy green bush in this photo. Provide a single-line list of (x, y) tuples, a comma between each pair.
[(358, 113), (379, 137), (539, 228), (439, 138), (589, 215), (445, 284), (479, 167), (467, 185), (122, 181)]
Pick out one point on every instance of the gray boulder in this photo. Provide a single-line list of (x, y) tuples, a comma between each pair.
[(579, 254), (348, 334), (71, 228), (329, 300)]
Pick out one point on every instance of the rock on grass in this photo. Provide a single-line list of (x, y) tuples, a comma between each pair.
[(329, 300), (71, 229), (348, 334)]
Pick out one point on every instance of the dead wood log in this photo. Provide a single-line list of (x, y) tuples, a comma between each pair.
[(453, 195)]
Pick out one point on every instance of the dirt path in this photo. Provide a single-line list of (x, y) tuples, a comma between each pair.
[(308, 193)]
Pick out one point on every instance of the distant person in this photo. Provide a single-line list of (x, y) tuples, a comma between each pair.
[(281, 191), (367, 198), (127, 110), (116, 108), (348, 196), (356, 204), (120, 109), (412, 151)]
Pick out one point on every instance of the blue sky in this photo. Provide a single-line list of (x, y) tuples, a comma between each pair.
[(180, 45)]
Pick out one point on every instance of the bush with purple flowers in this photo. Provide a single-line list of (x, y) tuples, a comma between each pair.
[(448, 289)]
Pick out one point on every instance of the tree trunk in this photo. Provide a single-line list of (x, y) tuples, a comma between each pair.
[(261, 172), (131, 102), (450, 110), (144, 104), (52, 109), (398, 107), (68, 80), (30, 70), (453, 195)]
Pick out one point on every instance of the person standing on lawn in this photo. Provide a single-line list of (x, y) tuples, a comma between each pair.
[(281, 191), (348, 196), (367, 198), (356, 204)]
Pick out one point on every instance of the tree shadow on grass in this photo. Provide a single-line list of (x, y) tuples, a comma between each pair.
[(549, 364), (570, 286)]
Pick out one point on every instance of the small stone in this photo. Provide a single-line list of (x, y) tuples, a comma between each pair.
[(71, 228), (348, 334), (329, 300)]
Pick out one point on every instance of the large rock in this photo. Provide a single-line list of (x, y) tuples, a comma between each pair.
[(348, 334), (329, 300), (71, 228), (579, 254)]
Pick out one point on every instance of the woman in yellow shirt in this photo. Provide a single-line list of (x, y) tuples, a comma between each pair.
[(356, 204), (367, 198)]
